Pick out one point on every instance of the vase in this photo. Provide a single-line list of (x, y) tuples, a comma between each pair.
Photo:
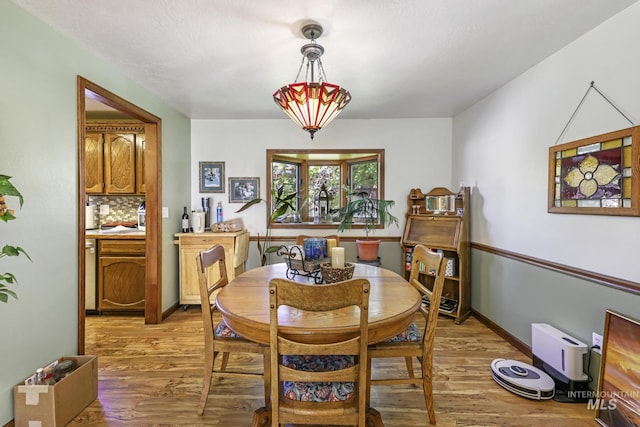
[(368, 249)]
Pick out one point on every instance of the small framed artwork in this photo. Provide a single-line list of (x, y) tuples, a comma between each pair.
[(211, 177), (618, 400), (242, 190), (596, 175)]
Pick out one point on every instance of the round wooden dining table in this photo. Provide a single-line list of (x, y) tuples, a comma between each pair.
[(244, 304)]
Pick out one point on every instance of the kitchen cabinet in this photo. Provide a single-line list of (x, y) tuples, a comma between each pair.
[(119, 163), (236, 250), (439, 220), (140, 147), (114, 159), (121, 275), (94, 162)]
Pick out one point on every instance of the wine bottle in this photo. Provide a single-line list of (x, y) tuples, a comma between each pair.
[(185, 221)]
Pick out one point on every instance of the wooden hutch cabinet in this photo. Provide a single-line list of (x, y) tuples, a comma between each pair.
[(114, 159), (439, 220)]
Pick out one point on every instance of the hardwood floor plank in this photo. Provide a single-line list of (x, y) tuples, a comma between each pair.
[(152, 376)]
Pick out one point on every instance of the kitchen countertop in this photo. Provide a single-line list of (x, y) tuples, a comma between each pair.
[(127, 235)]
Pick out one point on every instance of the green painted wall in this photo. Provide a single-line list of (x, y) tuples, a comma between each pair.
[(38, 147), (515, 294)]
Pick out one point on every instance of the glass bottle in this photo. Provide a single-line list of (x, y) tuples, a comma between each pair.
[(185, 221)]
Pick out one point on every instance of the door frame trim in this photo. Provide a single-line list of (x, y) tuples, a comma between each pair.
[(153, 192)]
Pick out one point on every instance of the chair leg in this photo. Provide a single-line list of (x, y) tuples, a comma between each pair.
[(267, 377), (427, 387), (409, 363), (225, 360), (368, 387), (209, 358)]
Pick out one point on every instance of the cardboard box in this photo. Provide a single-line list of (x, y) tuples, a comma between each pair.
[(56, 405)]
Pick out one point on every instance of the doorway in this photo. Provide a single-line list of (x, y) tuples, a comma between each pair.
[(153, 188)]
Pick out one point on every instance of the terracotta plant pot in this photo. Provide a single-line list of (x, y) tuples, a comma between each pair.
[(368, 249)]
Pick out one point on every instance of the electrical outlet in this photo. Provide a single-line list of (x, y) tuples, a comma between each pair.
[(596, 340), (104, 209)]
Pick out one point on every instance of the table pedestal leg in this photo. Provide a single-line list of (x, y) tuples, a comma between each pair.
[(374, 419), (262, 418)]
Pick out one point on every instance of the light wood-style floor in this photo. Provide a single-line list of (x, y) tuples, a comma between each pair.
[(152, 376)]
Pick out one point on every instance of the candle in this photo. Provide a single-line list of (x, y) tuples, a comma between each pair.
[(337, 257), (331, 243)]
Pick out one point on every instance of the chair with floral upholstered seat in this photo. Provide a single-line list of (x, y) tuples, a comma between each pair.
[(318, 383), (219, 339), (413, 342)]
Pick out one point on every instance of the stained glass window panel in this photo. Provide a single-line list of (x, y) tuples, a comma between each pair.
[(596, 175)]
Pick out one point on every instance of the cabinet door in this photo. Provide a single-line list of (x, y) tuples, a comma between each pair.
[(190, 247), (140, 145), (189, 285), (120, 163), (94, 171), (121, 283)]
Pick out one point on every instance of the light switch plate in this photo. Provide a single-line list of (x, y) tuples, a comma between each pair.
[(165, 212)]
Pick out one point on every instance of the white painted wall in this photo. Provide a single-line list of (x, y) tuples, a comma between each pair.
[(417, 154), (38, 147), (501, 147)]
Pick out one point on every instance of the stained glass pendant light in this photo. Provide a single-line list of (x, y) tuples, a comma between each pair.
[(312, 105)]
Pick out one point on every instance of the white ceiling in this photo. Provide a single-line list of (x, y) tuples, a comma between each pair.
[(223, 59)]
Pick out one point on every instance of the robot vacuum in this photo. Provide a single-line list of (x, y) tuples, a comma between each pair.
[(522, 379)]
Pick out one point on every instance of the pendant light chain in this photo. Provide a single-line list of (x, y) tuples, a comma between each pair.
[(299, 70)]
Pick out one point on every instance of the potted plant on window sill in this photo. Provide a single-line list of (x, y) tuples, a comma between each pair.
[(363, 209)]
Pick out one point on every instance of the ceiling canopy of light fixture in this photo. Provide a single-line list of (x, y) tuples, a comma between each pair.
[(312, 105)]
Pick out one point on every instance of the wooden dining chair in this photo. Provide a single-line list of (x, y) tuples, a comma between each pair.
[(220, 340), (412, 342), (320, 383)]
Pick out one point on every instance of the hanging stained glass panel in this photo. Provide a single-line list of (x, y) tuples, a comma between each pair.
[(596, 175)]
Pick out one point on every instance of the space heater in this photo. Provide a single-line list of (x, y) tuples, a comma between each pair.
[(561, 357)]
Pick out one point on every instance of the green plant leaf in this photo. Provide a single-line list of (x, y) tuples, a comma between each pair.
[(7, 216), (8, 278), (249, 204), (5, 293), (7, 189), (9, 250)]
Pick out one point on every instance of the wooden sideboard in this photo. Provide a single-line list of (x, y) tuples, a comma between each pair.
[(236, 249)]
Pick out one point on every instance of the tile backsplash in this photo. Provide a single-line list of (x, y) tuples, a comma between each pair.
[(121, 208)]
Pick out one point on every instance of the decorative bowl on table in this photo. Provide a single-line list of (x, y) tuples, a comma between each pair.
[(333, 274)]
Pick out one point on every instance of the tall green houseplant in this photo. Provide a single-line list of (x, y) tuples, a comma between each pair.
[(368, 211), (6, 215), (281, 205)]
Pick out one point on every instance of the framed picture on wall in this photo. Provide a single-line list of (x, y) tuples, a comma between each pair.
[(211, 177), (618, 402), (242, 190), (596, 175)]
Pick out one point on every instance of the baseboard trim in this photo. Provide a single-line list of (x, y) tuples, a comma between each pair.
[(502, 333), (170, 311)]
